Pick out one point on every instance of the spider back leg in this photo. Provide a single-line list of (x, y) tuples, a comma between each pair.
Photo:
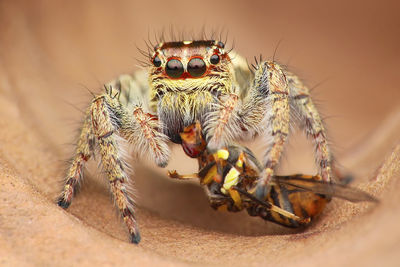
[(84, 150), (312, 124), (274, 95)]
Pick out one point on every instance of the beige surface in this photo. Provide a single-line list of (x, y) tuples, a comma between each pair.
[(50, 51)]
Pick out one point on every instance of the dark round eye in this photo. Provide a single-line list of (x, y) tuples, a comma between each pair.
[(196, 67), (214, 59), (157, 61), (221, 44), (174, 68)]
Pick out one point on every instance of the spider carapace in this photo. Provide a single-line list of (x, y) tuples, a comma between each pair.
[(186, 82)]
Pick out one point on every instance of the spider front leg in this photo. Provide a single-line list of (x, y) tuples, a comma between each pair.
[(270, 83), (113, 163), (266, 110), (110, 121), (284, 94)]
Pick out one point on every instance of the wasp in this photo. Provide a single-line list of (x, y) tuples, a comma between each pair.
[(229, 176), (185, 82)]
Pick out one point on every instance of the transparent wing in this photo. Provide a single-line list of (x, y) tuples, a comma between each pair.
[(330, 189)]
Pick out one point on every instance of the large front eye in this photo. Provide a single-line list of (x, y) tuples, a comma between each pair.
[(196, 67), (174, 68)]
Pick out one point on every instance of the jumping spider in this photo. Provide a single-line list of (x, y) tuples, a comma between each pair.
[(193, 81)]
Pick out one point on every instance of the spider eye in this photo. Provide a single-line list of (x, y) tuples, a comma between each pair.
[(174, 68), (157, 61), (214, 59), (196, 67), (221, 44)]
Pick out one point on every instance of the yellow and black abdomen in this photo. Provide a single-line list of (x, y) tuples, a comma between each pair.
[(304, 204)]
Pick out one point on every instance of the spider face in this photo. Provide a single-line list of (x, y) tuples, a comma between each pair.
[(185, 77), (188, 66), (188, 59)]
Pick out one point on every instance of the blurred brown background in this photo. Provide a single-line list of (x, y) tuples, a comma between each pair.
[(51, 50)]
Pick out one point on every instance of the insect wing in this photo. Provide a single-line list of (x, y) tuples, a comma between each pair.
[(330, 189)]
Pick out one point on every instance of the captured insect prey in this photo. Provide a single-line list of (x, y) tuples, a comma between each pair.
[(200, 85), (229, 175)]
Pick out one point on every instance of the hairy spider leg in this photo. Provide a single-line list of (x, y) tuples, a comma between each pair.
[(267, 108), (84, 150), (114, 120), (311, 123)]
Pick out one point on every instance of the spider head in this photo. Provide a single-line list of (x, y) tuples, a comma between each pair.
[(189, 66)]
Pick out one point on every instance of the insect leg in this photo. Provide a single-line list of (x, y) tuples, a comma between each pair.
[(175, 175), (272, 208)]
